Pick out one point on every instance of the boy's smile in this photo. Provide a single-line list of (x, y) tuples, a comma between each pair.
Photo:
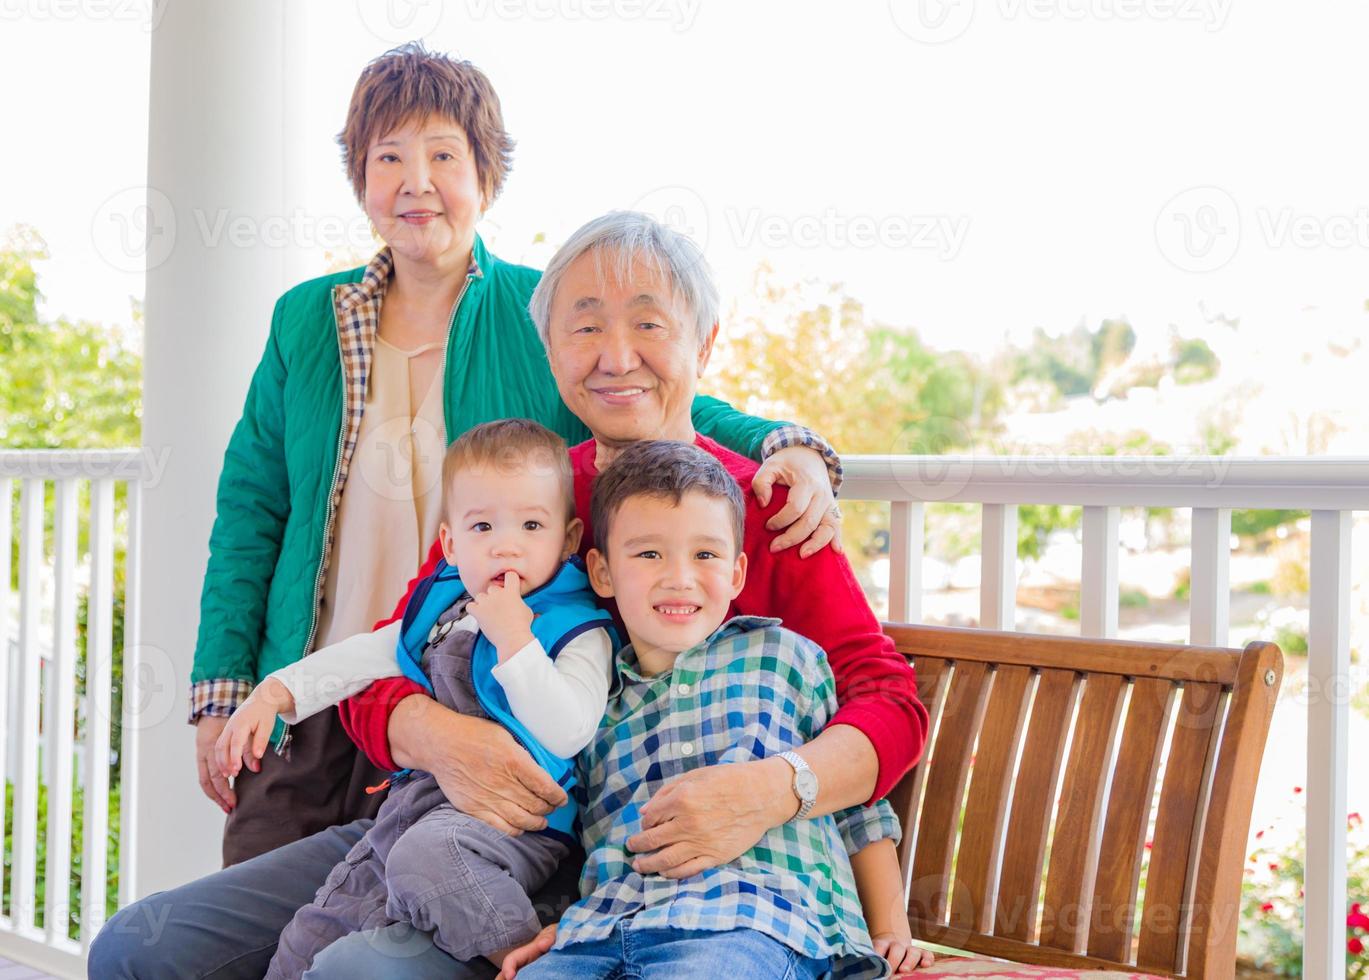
[(673, 569)]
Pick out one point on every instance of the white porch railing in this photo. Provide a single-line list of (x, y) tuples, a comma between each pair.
[(38, 742), (1213, 487)]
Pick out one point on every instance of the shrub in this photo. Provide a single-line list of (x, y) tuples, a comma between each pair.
[(1271, 930)]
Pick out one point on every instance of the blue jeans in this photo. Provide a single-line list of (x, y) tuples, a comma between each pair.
[(680, 954)]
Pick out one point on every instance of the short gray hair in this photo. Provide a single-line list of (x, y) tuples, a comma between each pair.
[(626, 235)]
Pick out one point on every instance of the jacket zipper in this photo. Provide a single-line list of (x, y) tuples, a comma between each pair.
[(327, 523), (446, 342), (337, 468)]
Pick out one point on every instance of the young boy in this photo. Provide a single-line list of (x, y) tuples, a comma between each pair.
[(694, 689), (505, 628)]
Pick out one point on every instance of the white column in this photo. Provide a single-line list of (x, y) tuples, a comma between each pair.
[(224, 85)]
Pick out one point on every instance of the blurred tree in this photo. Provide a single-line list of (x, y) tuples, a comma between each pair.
[(811, 354), (1193, 361), (63, 383)]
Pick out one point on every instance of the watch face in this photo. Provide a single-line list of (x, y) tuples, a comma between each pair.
[(806, 783)]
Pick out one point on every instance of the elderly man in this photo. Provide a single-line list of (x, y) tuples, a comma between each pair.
[(629, 314)]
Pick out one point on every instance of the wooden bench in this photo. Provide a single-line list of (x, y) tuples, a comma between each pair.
[(1005, 864)]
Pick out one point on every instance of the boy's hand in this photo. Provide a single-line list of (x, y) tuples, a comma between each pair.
[(897, 947), (250, 727), (525, 954), (503, 616)]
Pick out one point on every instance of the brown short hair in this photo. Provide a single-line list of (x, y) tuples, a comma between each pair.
[(511, 444), (669, 470), (411, 83)]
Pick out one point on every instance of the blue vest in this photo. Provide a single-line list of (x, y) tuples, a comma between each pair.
[(562, 609)]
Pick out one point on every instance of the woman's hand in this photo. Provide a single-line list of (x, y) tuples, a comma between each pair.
[(482, 771), (810, 515), (712, 815), (212, 782), (533, 949)]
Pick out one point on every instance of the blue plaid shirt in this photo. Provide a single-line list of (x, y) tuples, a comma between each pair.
[(750, 691)]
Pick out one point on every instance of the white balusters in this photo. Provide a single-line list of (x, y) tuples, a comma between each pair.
[(6, 706), (905, 561), (41, 717), (61, 706), (1098, 576), (1209, 595), (98, 688), (133, 679), (25, 837), (1328, 758), (998, 572)]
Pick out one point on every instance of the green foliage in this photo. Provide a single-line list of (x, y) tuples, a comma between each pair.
[(1253, 523), (1100, 362), (116, 700), (1036, 522), (1074, 362), (1184, 586), (63, 383), (1133, 599), (1193, 361), (1291, 639), (77, 856), (1271, 928)]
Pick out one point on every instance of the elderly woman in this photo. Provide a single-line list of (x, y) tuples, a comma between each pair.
[(629, 316), (329, 492)]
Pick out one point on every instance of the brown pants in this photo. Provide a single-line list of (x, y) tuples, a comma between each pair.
[(321, 784)]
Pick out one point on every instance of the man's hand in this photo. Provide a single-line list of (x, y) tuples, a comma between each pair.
[(712, 815), (503, 616), (212, 781), (810, 515), (481, 770), (533, 949)]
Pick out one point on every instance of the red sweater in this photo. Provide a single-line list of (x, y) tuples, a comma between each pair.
[(817, 597)]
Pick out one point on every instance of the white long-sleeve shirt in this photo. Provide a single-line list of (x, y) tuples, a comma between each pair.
[(560, 702)]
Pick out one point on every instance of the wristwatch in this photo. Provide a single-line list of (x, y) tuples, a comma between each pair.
[(805, 784)]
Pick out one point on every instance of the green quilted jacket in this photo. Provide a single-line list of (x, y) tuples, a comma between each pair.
[(286, 461)]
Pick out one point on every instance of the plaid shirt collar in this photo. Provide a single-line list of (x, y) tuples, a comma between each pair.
[(375, 279), (627, 670)]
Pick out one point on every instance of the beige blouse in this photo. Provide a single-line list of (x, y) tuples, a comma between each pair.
[(392, 502)]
